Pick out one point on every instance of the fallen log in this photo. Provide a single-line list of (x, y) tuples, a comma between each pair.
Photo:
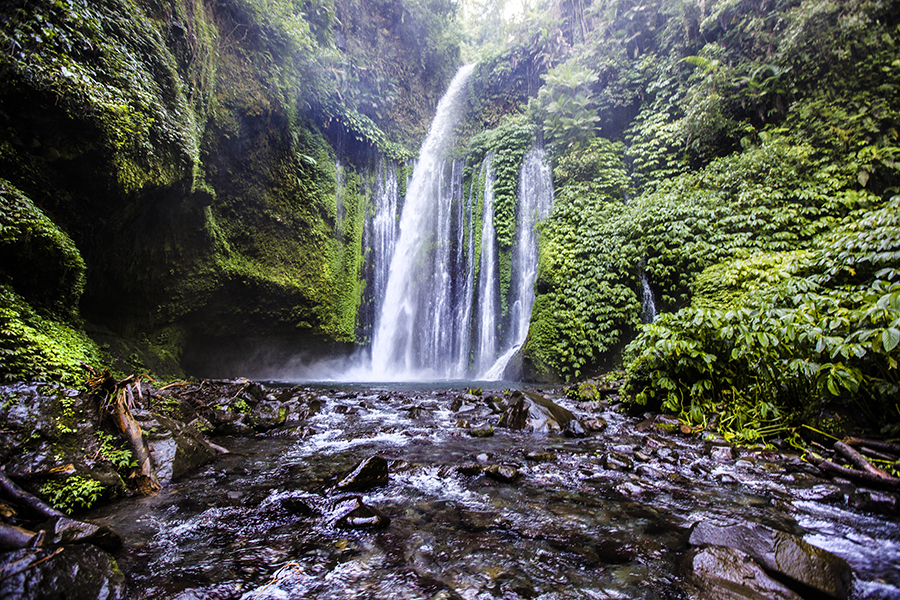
[(21, 498), (857, 476), (875, 445), (15, 538), (132, 430), (858, 459)]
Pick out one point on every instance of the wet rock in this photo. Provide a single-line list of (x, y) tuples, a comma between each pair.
[(269, 414), (462, 424), (470, 469), (77, 572), (526, 411), (63, 530), (227, 422), (502, 473), (367, 473), (175, 448), (482, 432), (541, 456), (666, 424), (594, 424), (352, 513), (873, 501), (617, 461), (574, 429), (474, 520), (297, 505), (721, 453), (795, 562), (722, 573)]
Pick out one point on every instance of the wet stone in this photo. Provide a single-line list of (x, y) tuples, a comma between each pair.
[(368, 473), (594, 424), (527, 411), (354, 514), (502, 473), (470, 469), (63, 530), (616, 461), (541, 456), (574, 429), (482, 432), (721, 453), (874, 501), (74, 571)]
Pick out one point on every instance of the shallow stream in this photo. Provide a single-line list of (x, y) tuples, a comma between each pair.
[(604, 516)]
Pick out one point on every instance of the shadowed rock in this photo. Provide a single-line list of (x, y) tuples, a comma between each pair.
[(793, 561)]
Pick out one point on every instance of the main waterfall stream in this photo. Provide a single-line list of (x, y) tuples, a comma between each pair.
[(439, 312)]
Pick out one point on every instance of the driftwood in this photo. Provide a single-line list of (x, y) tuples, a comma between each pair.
[(21, 498), (863, 477), (858, 459)]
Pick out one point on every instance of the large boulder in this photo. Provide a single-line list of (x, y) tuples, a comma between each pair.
[(721, 573), (793, 561), (175, 448), (526, 411)]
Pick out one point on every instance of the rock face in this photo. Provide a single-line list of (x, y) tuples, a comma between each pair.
[(368, 473), (795, 562), (526, 411), (62, 530)]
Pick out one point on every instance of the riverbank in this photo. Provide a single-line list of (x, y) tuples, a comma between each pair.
[(480, 493)]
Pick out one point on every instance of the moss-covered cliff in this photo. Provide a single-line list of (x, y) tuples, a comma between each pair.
[(178, 162)]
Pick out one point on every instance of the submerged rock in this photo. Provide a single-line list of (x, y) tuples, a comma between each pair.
[(482, 432), (527, 411), (796, 562), (367, 473)]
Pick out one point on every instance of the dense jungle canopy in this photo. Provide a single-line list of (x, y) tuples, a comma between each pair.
[(184, 173)]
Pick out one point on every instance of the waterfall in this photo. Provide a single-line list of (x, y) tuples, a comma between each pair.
[(535, 197), (488, 281), (648, 304), (433, 277), (412, 337)]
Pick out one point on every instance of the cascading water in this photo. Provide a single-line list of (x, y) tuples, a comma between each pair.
[(411, 333), (438, 312), (648, 303), (535, 200)]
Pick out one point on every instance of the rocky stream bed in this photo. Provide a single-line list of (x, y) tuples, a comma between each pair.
[(432, 492)]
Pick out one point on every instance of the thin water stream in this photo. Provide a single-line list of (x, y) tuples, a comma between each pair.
[(604, 516)]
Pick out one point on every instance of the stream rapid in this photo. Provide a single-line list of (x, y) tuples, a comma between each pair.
[(605, 516)]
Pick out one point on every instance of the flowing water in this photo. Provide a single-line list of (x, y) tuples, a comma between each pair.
[(259, 525)]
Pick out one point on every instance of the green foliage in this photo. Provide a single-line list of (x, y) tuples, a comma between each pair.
[(567, 104), (122, 458), (819, 326), (74, 493), (39, 259), (37, 347)]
